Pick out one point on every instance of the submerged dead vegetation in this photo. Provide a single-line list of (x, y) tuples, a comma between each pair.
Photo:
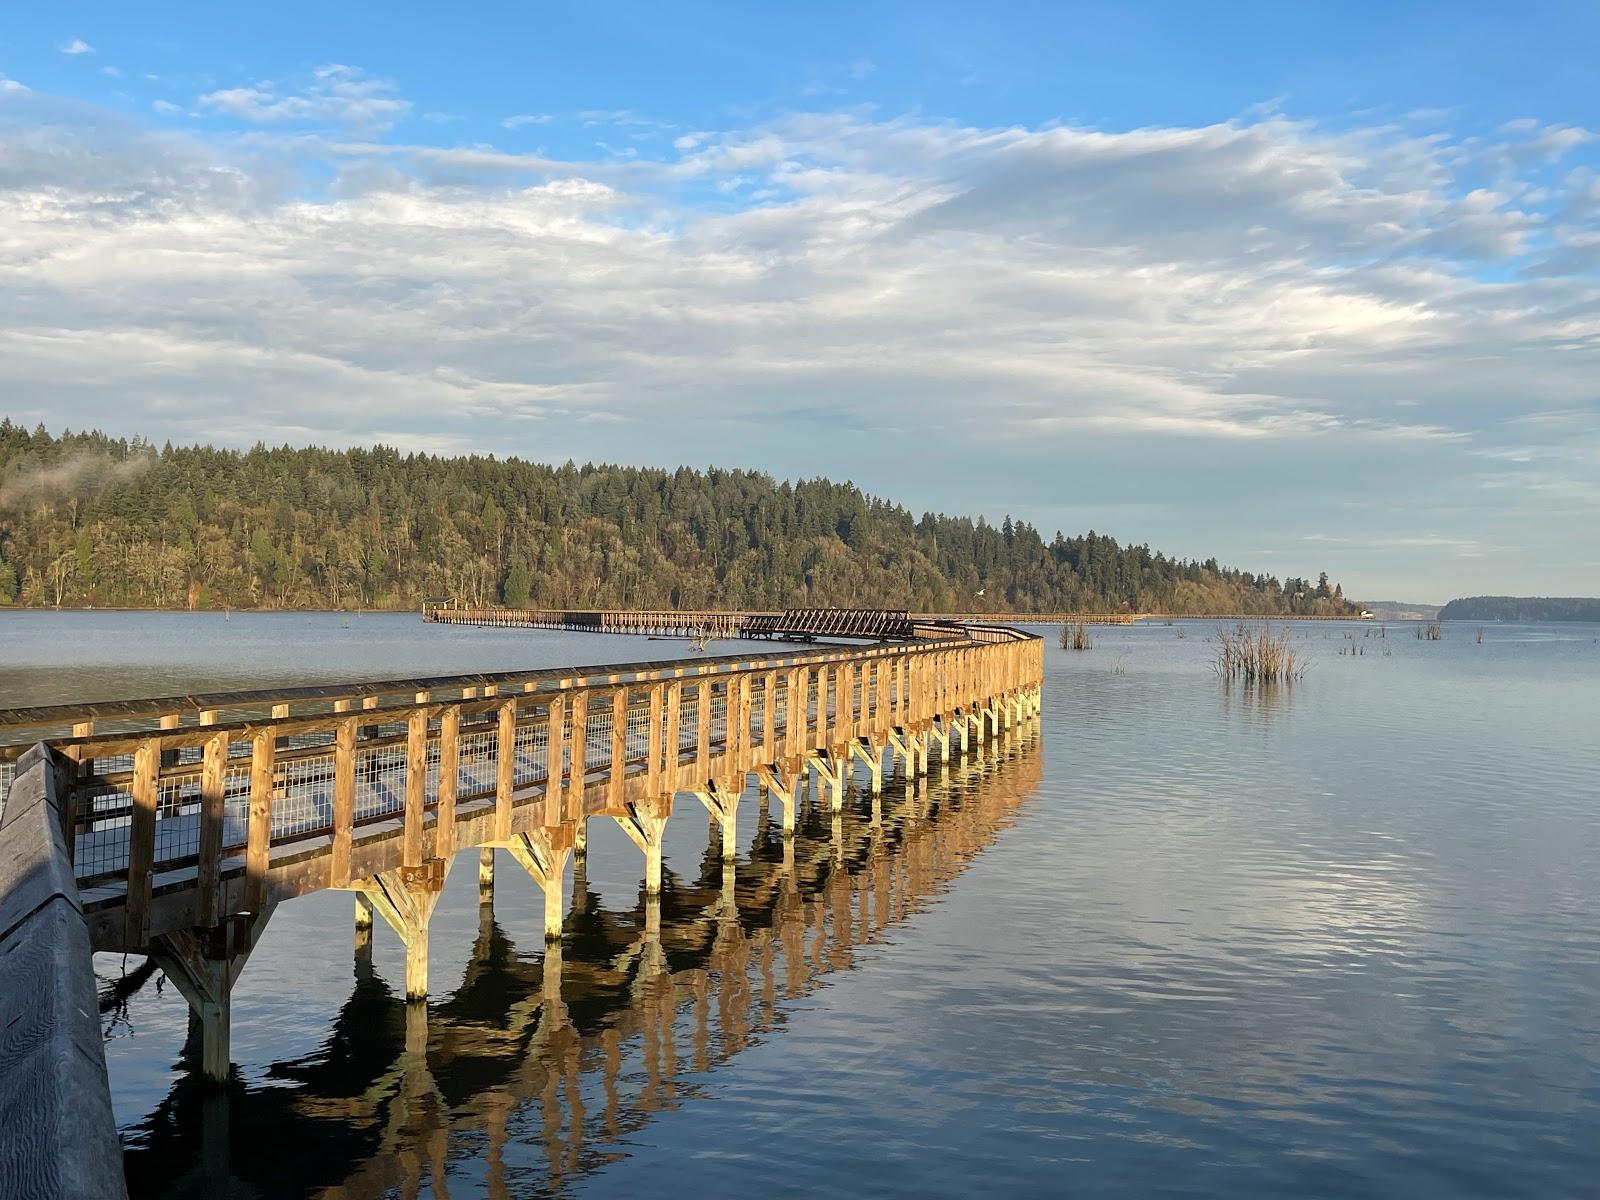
[(1075, 637), (1256, 654)]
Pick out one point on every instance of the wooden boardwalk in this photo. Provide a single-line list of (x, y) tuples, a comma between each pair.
[(195, 816)]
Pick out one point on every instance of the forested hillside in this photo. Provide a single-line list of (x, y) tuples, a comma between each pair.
[(91, 520), (1521, 608)]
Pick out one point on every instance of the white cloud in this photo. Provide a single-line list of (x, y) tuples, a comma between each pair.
[(77, 46), (520, 120), (335, 94), (1326, 312), (166, 107)]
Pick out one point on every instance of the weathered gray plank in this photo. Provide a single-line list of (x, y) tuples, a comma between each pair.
[(58, 1137)]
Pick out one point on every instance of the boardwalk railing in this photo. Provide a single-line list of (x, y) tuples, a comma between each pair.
[(58, 1137)]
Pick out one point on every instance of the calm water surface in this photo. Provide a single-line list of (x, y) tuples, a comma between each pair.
[(1339, 939)]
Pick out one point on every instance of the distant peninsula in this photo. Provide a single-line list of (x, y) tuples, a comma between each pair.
[(1521, 608)]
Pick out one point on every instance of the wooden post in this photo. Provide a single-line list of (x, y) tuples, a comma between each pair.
[(258, 837), (579, 750), (674, 754), (444, 823), (344, 802), (543, 854), (208, 865), (769, 717), (555, 746), (142, 839), (619, 745), (416, 786), (653, 756), (505, 778), (702, 751)]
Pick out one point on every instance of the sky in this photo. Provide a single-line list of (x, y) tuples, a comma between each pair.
[(1299, 286)]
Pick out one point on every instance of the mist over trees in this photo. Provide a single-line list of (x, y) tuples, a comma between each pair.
[(86, 519)]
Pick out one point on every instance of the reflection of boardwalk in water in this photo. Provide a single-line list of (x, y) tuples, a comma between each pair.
[(574, 1053)]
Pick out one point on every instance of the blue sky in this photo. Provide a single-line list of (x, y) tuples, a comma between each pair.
[(1301, 286)]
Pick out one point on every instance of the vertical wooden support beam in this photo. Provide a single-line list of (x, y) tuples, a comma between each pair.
[(204, 964), (258, 834), (505, 762), (555, 748), (344, 802), (485, 871), (769, 717), (416, 786), (578, 749), (644, 823), (674, 703), (406, 899), (652, 776), (702, 750), (827, 713), (794, 712), (444, 820), (142, 839), (619, 746), (213, 795), (543, 855), (741, 762), (847, 701)]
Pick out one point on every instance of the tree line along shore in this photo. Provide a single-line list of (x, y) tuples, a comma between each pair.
[(88, 520)]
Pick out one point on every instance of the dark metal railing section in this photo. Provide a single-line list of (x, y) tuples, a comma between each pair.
[(808, 624)]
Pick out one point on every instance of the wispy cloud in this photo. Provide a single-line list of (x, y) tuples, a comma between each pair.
[(77, 46), (521, 120), (335, 94)]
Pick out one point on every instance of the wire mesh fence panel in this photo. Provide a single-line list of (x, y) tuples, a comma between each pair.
[(597, 740), (236, 797), (532, 752), (380, 782), (431, 766), (719, 714), (177, 818), (688, 722), (638, 732), (478, 765), (302, 796), (100, 848)]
